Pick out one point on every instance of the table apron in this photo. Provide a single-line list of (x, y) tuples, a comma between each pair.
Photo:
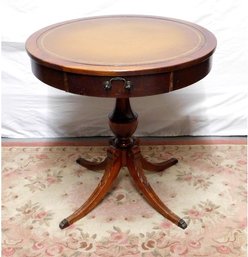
[(141, 85)]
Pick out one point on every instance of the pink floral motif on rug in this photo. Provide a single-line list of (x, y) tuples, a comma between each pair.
[(43, 185)]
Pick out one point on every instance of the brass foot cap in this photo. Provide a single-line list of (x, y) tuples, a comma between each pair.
[(64, 224), (174, 160), (182, 224)]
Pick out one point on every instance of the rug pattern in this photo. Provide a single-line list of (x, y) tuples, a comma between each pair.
[(43, 185)]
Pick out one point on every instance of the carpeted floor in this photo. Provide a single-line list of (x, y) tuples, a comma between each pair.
[(41, 185)]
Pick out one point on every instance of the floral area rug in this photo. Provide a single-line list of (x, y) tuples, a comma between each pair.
[(43, 185)]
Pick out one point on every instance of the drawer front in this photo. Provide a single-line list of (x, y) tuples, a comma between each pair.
[(118, 87)]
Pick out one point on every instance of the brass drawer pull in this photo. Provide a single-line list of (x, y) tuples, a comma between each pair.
[(108, 84)]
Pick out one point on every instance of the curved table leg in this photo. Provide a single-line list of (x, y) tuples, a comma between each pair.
[(157, 166), (111, 172), (134, 165), (92, 165)]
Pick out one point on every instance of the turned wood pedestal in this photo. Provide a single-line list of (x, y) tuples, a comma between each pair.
[(124, 151), (122, 57)]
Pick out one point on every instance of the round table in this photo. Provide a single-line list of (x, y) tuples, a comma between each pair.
[(122, 56)]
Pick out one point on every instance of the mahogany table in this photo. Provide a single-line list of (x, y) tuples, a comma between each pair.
[(122, 57)]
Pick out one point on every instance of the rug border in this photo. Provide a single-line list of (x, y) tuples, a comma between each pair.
[(143, 141)]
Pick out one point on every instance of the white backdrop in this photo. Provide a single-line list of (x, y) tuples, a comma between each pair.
[(217, 105)]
